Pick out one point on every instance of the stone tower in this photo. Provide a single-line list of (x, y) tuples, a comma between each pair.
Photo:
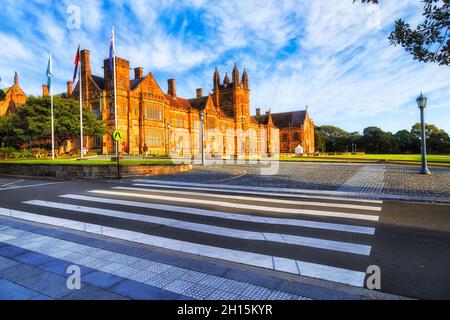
[(233, 96)]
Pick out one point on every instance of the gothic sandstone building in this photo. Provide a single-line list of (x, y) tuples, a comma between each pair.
[(165, 123), (12, 97)]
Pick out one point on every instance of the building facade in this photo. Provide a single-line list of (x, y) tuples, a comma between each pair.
[(296, 130), (11, 98), (164, 123)]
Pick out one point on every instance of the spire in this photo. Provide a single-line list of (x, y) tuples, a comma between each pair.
[(245, 79), (16, 79), (226, 80), (216, 79), (235, 75)]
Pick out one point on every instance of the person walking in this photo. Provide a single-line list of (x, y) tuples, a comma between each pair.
[(145, 150)]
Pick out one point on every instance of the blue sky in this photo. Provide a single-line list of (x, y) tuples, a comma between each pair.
[(331, 55)]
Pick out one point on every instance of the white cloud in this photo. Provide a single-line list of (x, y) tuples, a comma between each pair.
[(297, 52)]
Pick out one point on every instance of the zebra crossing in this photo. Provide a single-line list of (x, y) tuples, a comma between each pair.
[(321, 237)]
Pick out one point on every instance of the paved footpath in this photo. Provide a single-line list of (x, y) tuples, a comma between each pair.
[(153, 239), (369, 181)]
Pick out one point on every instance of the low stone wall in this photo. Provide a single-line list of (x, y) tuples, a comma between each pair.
[(90, 171)]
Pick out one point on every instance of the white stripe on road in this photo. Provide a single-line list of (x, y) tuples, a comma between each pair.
[(259, 193), (31, 186), (11, 183), (286, 192), (334, 214), (221, 231), (257, 199), (308, 269), (227, 215)]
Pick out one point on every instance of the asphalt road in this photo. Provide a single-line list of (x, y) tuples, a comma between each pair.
[(320, 237)]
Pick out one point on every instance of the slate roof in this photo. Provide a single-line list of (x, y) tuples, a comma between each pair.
[(262, 119), (178, 102), (135, 82), (199, 103), (289, 119), (99, 81)]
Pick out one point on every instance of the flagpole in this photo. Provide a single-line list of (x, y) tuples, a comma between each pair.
[(81, 108), (115, 91), (51, 107)]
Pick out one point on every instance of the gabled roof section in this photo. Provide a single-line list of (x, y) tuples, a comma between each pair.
[(254, 121), (99, 81), (134, 83), (199, 103), (262, 119), (289, 119), (178, 102)]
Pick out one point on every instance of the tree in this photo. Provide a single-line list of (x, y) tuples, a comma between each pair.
[(320, 140), (407, 142), (10, 135), (333, 137), (376, 140), (438, 141), (430, 40), (32, 122)]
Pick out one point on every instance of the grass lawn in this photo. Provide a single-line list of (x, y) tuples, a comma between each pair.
[(90, 162), (406, 158)]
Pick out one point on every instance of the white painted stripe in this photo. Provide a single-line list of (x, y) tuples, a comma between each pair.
[(11, 183), (287, 192), (244, 206), (31, 186), (307, 269), (227, 215), (210, 229), (257, 199), (259, 193)]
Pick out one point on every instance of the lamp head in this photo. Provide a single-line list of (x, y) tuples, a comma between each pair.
[(421, 101)]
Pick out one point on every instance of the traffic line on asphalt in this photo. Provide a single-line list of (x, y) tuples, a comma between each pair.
[(236, 189), (210, 229), (257, 199), (11, 183), (229, 216), (285, 192), (308, 269), (335, 214), (30, 186)]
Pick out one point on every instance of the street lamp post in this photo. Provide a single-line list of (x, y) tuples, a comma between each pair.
[(422, 103), (202, 123), (168, 140)]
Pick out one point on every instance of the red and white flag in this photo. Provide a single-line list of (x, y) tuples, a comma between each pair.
[(76, 62)]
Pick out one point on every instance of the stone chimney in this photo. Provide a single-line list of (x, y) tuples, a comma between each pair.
[(171, 88), (258, 111), (199, 92), (85, 64), (44, 90), (69, 88), (138, 72)]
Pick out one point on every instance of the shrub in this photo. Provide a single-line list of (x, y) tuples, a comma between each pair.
[(6, 153)]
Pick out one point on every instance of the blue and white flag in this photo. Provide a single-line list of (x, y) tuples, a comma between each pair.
[(49, 72), (112, 52)]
